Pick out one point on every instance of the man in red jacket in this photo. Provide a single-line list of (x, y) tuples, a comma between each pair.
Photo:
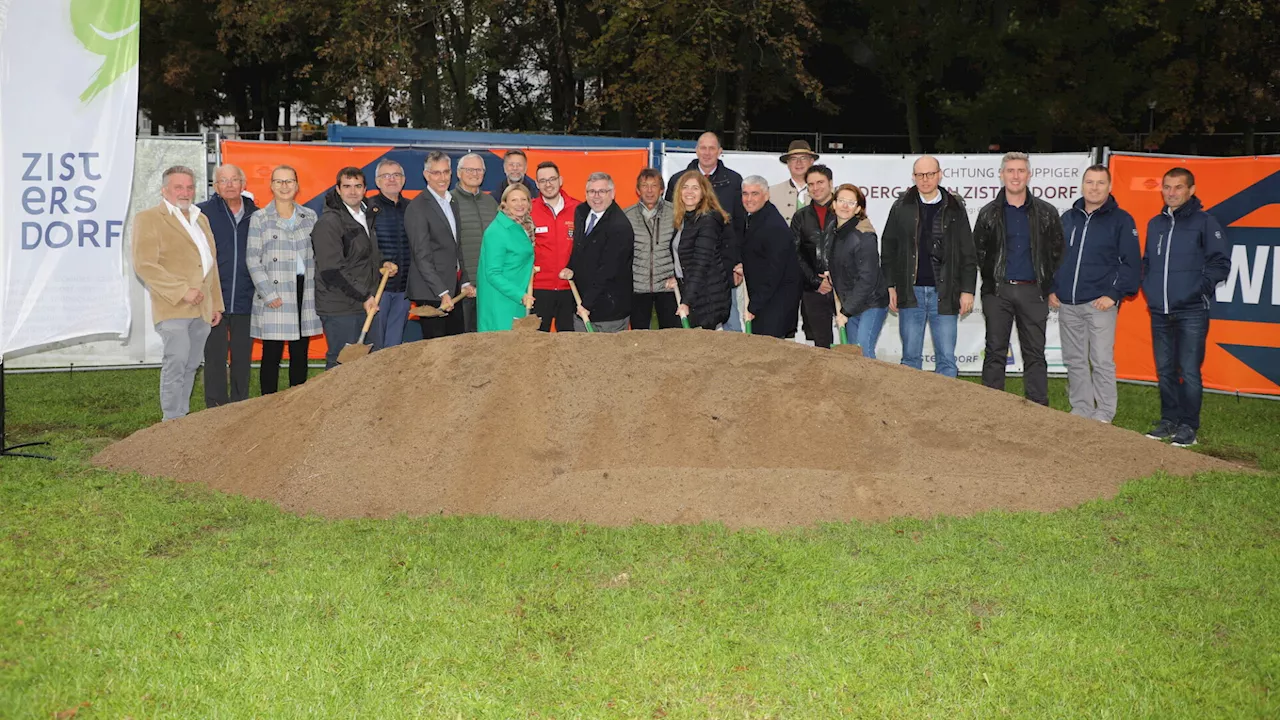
[(552, 214)]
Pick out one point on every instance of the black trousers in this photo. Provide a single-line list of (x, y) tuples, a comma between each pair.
[(1025, 306), (555, 305), (819, 312), (231, 333), (467, 309), (455, 323), (273, 351), (643, 306)]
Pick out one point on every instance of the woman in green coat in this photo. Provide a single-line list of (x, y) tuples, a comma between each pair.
[(506, 264)]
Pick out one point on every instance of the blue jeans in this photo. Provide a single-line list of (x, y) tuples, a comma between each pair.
[(942, 328), (388, 325), (1178, 340), (734, 323), (864, 329)]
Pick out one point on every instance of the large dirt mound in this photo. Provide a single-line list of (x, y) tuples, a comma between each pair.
[(658, 426)]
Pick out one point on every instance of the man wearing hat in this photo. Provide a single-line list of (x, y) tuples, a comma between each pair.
[(792, 194)]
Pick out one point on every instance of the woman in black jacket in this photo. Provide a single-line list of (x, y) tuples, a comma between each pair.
[(851, 244), (697, 247)]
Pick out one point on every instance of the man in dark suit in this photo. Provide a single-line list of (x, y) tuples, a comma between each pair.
[(436, 275), (771, 267), (603, 243)]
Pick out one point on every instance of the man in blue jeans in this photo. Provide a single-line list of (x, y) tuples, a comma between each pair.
[(386, 208), (1185, 259), (929, 262)]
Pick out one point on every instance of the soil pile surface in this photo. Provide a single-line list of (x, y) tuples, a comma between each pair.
[(657, 426)]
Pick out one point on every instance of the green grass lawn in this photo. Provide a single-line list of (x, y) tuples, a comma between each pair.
[(129, 597)]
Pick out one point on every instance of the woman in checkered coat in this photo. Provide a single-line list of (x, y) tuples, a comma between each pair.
[(282, 267)]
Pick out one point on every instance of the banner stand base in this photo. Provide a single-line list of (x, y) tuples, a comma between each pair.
[(8, 450)]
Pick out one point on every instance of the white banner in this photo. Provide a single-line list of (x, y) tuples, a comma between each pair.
[(142, 345), (68, 114), (1055, 178)]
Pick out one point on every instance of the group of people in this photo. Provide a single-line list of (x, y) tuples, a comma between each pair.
[(711, 250)]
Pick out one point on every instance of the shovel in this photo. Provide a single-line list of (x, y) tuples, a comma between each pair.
[(578, 299), (359, 350), (844, 345), (529, 322), (684, 321), (844, 330), (742, 308), (431, 311), (536, 269)]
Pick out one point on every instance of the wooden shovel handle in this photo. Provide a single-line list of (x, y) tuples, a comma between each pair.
[(377, 298), (535, 272), (576, 297)]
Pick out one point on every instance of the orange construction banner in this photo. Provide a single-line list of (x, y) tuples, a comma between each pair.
[(1243, 194), (318, 165)]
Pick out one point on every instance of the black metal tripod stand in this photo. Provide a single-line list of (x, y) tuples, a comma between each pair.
[(7, 450)]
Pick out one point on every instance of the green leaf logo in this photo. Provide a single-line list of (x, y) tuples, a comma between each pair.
[(108, 28)]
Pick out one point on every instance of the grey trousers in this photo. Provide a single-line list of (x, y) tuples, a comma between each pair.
[(604, 326), (1088, 351), (184, 340)]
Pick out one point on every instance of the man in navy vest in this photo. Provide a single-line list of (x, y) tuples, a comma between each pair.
[(387, 208), (228, 212), (1185, 259)]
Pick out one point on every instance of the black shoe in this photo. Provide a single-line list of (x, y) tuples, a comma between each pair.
[(1184, 437), (1162, 430)]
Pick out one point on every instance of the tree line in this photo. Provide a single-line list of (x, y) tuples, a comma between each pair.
[(949, 74)]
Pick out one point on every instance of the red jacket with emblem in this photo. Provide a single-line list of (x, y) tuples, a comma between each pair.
[(552, 242)]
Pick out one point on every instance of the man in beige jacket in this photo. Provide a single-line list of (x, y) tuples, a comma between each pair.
[(174, 254), (792, 194)]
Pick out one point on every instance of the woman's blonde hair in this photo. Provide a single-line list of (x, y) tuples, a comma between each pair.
[(525, 222), (709, 202)]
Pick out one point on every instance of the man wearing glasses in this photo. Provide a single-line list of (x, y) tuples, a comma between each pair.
[(552, 214), (603, 244), (387, 207), (476, 209), (228, 213), (929, 261), (437, 274)]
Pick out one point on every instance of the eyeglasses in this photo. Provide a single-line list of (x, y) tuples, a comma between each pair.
[(599, 193), (398, 175), (471, 170), (438, 173), (549, 181), (925, 175), (284, 182), (847, 203)]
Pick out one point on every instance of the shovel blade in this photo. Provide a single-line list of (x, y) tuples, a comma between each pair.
[(427, 311), (353, 352), (529, 323)]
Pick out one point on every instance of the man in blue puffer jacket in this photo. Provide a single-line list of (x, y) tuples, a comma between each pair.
[(1185, 259), (1102, 265), (228, 213)]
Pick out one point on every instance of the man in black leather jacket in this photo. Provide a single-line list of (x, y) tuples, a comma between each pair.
[(817, 305), (929, 262), (1018, 238)]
